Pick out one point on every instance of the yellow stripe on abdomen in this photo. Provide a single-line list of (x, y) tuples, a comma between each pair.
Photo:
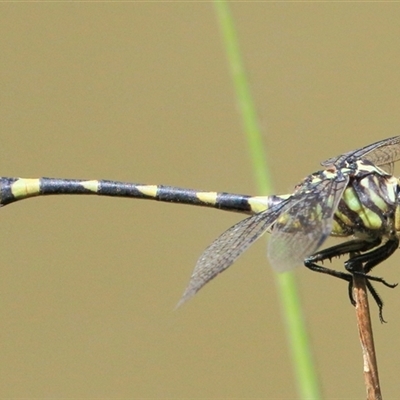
[(148, 190), (93, 186), (23, 188), (207, 197)]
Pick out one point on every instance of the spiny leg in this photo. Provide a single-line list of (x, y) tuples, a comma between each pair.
[(336, 251), (354, 247), (372, 259), (374, 294), (377, 299), (358, 269)]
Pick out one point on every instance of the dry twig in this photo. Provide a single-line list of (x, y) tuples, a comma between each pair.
[(371, 377)]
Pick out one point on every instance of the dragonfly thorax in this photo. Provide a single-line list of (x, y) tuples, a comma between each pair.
[(368, 205)]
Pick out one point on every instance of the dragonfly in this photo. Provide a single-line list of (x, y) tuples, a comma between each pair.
[(354, 196)]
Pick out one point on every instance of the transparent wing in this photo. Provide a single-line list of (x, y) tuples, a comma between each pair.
[(388, 168), (382, 153), (302, 229), (230, 245)]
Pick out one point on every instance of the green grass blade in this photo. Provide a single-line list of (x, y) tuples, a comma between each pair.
[(305, 372)]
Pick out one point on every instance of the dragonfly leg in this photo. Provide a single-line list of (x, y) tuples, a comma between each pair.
[(308, 262), (369, 260), (362, 264), (377, 299), (355, 265), (358, 269), (352, 246)]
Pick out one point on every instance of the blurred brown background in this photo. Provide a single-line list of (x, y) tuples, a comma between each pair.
[(141, 92)]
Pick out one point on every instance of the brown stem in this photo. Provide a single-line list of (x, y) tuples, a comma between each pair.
[(371, 377)]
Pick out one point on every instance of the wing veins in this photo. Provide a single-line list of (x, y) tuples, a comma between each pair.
[(223, 252), (382, 153), (308, 224)]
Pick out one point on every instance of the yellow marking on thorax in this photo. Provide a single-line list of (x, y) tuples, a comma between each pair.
[(93, 186), (397, 218), (370, 219), (207, 197), (148, 190), (344, 218), (377, 197), (23, 188), (362, 166), (392, 182), (337, 230), (328, 174)]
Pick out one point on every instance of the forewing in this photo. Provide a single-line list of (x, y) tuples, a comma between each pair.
[(302, 229), (382, 153), (230, 245)]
